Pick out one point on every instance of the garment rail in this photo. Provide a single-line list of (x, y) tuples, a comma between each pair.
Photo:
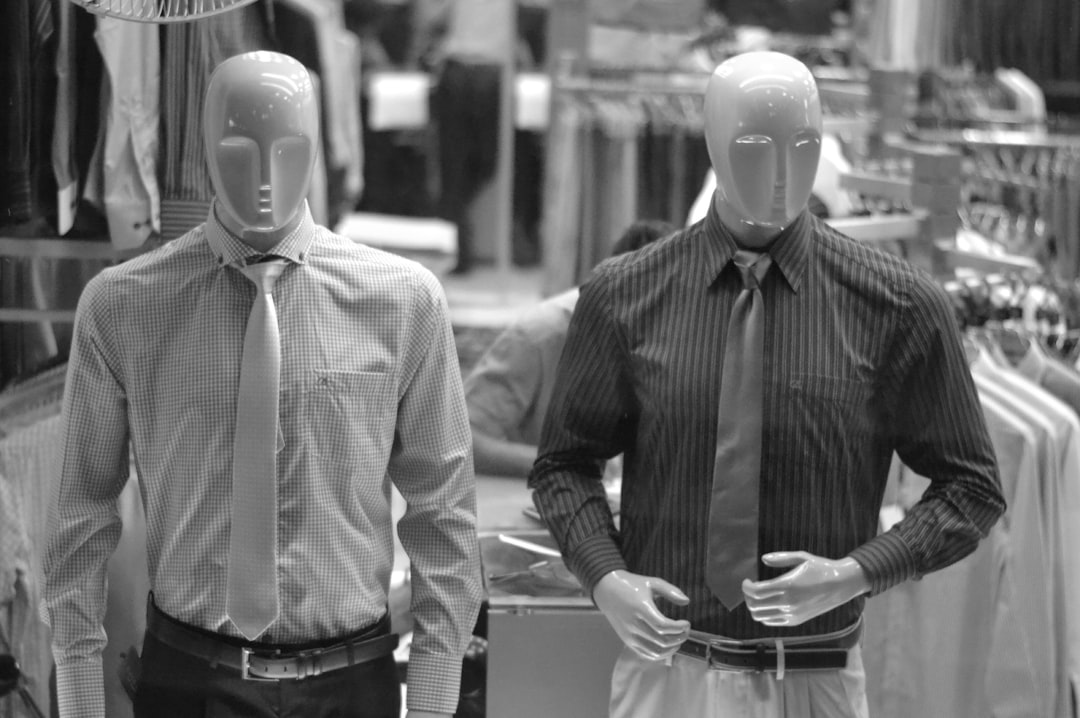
[(54, 249)]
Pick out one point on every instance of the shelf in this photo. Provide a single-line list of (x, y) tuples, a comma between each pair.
[(985, 263), (49, 248), (883, 228), (33, 316), (897, 189), (847, 126), (55, 248)]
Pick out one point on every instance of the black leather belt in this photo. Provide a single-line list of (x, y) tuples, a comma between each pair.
[(816, 653), (265, 663)]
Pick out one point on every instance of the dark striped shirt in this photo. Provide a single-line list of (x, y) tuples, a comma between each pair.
[(862, 357)]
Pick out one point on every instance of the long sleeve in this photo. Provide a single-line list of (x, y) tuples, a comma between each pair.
[(940, 433), (84, 523), (586, 424), (432, 467)]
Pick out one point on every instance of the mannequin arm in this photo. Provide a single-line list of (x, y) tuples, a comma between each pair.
[(814, 586), (627, 601), (499, 457)]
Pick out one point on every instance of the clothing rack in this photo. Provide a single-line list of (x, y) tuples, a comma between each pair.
[(326, 17), (850, 96)]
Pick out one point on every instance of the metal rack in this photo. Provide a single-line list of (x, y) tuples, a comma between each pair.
[(52, 249)]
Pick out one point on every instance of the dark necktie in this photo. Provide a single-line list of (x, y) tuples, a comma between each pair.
[(251, 593), (733, 509)]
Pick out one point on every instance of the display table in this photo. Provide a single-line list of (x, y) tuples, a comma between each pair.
[(550, 652)]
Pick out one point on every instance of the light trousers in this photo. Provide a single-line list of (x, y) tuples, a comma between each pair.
[(689, 689)]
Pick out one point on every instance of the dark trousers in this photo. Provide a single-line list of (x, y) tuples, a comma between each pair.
[(466, 106), (174, 684)]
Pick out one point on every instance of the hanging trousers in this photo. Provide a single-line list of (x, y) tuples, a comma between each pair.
[(466, 106)]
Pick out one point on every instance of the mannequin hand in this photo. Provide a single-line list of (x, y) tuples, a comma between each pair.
[(626, 600), (816, 585)]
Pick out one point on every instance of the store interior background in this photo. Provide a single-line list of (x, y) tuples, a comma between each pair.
[(964, 169), (938, 61)]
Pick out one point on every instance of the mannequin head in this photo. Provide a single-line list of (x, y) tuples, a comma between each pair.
[(763, 132), (261, 126)]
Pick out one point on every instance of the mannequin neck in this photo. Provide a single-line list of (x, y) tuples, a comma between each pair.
[(260, 241), (747, 235)]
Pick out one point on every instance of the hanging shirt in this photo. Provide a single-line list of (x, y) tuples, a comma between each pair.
[(29, 463), (27, 56), (190, 52), (132, 62), (640, 375), (370, 394), (1061, 380), (1060, 454), (975, 639)]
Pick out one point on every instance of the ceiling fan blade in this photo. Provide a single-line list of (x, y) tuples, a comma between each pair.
[(160, 11)]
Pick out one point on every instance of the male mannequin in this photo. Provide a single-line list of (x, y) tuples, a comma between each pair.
[(370, 393), (860, 358)]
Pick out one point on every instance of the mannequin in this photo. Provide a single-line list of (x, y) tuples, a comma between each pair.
[(763, 133), (641, 373), (260, 267), (261, 126)]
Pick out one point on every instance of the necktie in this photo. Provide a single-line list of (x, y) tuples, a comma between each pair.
[(252, 589), (733, 509)]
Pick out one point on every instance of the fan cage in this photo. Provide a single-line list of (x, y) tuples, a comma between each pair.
[(160, 11)]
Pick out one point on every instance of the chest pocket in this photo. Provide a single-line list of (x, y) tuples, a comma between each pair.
[(833, 409), (352, 417)]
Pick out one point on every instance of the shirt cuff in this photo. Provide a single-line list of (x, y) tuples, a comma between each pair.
[(593, 559), (887, 561), (80, 689), (434, 682)]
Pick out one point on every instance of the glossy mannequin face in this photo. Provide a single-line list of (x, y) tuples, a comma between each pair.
[(261, 126), (763, 132)]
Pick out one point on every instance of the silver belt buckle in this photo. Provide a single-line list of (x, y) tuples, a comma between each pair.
[(245, 668)]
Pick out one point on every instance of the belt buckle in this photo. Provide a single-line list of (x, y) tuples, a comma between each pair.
[(245, 668)]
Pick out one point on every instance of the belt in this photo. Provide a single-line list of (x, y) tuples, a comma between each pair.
[(265, 663), (797, 653)]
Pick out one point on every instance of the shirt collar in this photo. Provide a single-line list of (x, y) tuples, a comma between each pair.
[(231, 250), (789, 251)]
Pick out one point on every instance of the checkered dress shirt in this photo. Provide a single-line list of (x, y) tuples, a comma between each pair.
[(370, 394)]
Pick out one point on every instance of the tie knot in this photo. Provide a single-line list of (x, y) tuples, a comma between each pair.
[(753, 267), (264, 273)]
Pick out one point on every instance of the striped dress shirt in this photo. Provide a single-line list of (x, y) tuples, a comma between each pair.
[(862, 357), (370, 394)]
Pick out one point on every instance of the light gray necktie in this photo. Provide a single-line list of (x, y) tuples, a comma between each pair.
[(252, 589), (733, 509)]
